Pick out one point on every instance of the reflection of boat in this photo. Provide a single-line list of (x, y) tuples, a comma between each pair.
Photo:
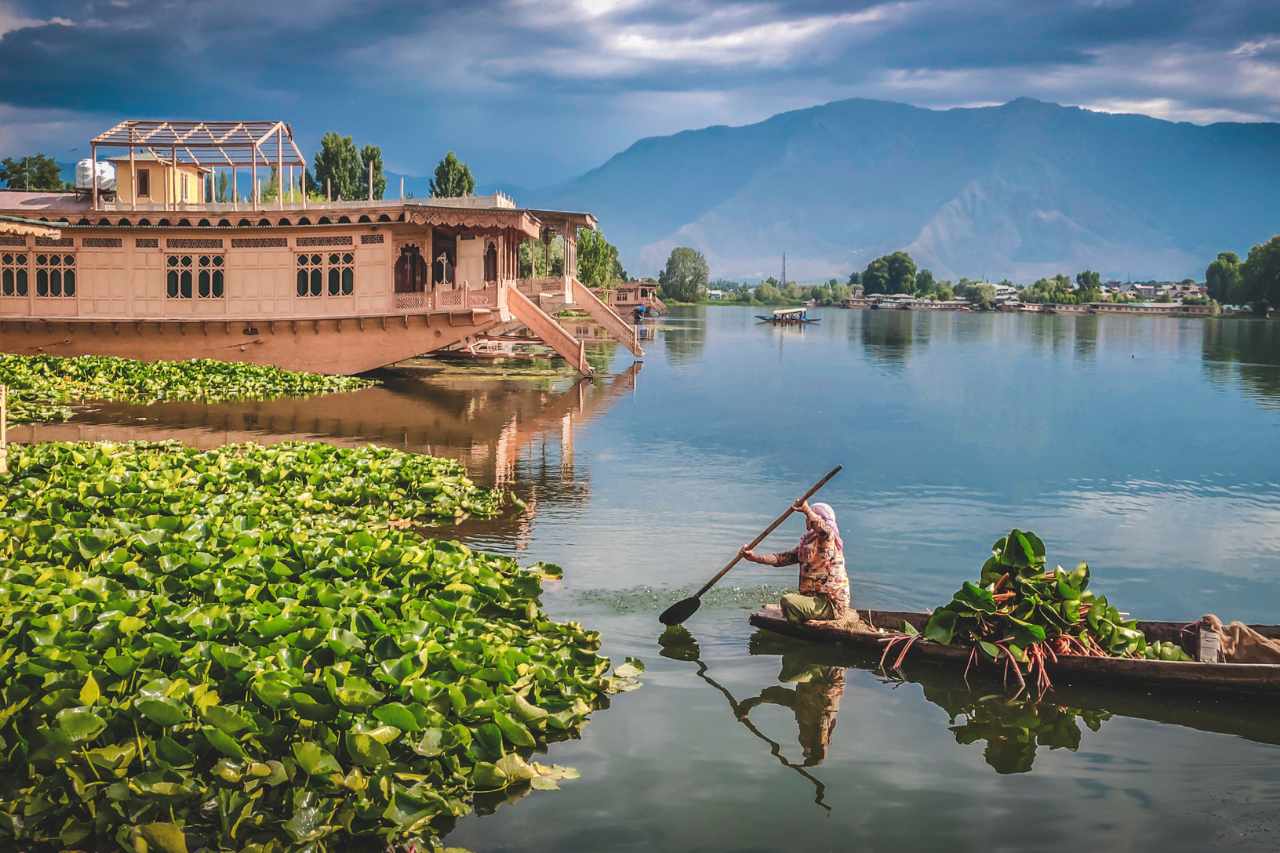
[(1013, 729), (1254, 678), (788, 316)]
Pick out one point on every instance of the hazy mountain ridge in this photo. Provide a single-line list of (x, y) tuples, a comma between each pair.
[(1019, 190)]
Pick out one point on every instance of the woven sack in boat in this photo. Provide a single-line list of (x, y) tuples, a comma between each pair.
[(1242, 644)]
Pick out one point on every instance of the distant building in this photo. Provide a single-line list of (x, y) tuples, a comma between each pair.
[(715, 294)]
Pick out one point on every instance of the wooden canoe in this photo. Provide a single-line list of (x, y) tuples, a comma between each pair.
[(1251, 678)]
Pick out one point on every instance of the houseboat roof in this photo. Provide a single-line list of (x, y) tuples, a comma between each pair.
[(21, 226), (496, 212), (219, 143), (782, 312)]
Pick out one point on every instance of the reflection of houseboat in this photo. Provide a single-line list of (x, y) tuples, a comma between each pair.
[(155, 268), (788, 316)]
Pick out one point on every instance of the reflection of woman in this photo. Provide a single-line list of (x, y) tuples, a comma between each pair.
[(824, 583), (815, 701)]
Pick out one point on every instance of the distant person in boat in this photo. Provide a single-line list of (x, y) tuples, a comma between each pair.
[(824, 584)]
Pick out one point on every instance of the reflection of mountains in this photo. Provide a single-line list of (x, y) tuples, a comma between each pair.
[(485, 423), (1244, 352), (1013, 730)]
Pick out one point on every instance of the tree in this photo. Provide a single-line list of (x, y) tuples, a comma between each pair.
[(1224, 279), (337, 168), (1261, 273), (945, 292), (1089, 285), (925, 283), (685, 276), (35, 172), (894, 273), (539, 258), (223, 191), (452, 178), (597, 259), (372, 154), (855, 277)]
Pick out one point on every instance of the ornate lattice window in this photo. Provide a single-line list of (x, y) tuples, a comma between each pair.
[(178, 278), (55, 275), (342, 276), (337, 269), (211, 277), (310, 274), (13, 274)]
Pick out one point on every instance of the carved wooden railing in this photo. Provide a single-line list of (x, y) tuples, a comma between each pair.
[(442, 299)]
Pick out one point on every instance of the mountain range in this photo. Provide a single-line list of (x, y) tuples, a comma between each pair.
[(1019, 190)]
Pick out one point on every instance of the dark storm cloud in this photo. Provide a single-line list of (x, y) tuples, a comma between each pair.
[(535, 89)]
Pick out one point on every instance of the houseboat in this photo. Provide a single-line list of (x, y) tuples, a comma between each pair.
[(148, 265)]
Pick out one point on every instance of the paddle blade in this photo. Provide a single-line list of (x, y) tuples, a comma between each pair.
[(680, 611)]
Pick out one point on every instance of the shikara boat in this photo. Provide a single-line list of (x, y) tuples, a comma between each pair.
[(788, 316), (878, 625)]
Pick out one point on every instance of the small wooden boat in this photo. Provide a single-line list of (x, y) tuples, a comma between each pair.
[(787, 316), (876, 625)]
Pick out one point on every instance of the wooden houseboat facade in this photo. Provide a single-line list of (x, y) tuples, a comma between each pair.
[(330, 287)]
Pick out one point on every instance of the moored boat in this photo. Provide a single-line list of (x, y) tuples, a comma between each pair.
[(878, 625)]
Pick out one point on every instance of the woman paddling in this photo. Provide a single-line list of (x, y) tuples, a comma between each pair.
[(824, 584)]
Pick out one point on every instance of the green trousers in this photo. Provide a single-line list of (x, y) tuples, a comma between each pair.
[(802, 608)]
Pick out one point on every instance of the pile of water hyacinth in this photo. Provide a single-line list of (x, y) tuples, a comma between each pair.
[(44, 387), (252, 648), (1022, 616)]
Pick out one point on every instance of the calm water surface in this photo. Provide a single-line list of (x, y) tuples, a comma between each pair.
[(1145, 446)]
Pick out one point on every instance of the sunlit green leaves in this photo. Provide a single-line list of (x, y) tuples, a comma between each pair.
[(252, 646), (43, 387), (1017, 605)]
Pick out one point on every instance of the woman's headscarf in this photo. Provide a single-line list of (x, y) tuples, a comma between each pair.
[(828, 515)]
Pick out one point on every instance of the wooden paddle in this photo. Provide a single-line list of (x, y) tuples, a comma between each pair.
[(683, 609)]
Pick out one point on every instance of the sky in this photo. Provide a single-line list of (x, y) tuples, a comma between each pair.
[(532, 92)]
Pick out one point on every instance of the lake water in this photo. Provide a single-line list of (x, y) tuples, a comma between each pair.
[(1145, 446)]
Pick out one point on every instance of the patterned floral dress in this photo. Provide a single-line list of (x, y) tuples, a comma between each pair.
[(821, 558)]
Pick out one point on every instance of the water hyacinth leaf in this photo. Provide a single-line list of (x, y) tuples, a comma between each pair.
[(398, 715), (80, 724), (514, 731), (941, 626), (162, 711), (90, 692), (163, 837), (314, 760), (366, 751)]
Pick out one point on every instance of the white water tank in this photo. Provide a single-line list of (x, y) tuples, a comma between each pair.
[(106, 175)]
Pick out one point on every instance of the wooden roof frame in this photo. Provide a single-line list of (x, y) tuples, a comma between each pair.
[(224, 143)]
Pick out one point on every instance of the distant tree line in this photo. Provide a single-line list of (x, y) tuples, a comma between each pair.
[(1254, 281)]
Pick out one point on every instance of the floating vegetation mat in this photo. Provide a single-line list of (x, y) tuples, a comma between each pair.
[(251, 649), (44, 387), (649, 599)]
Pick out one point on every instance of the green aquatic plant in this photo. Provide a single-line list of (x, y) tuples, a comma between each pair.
[(44, 387), (1026, 616), (253, 648)]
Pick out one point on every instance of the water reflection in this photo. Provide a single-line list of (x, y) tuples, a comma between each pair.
[(889, 337), (815, 728), (684, 336), (1244, 352)]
